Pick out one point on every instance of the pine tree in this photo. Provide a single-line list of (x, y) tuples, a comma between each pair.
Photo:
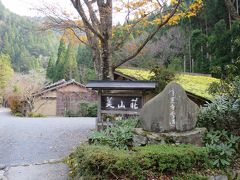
[(6, 71), (220, 43), (235, 36), (70, 65), (84, 56), (59, 67), (6, 47), (50, 68)]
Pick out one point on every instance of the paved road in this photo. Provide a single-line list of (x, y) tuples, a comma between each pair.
[(35, 140)]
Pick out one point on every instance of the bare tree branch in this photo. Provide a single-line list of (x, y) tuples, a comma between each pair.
[(149, 37), (78, 6)]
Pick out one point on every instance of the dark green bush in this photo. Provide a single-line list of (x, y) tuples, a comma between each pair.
[(103, 162), (224, 111), (118, 135), (222, 114), (173, 158), (222, 147), (86, 109), (162, 76)]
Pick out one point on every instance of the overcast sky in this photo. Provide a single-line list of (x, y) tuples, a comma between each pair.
[(26, 7)]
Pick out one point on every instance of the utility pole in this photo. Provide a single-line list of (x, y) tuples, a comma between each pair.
[(189, 42), (237, 4), (184, 63), (192, 66)]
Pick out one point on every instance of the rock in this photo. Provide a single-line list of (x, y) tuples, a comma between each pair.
[(3, 178), (2, 166), (189, 137), (171, 110), (221, 177), (55, 161), (139, 140), (139, 131), (211, 178)]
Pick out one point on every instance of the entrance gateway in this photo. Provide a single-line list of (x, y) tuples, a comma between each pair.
[(120, 99)]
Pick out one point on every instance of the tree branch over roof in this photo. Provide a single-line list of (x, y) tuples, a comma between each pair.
[(150, 36)]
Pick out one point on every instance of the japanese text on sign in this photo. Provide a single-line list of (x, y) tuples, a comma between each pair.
[(121, 103)]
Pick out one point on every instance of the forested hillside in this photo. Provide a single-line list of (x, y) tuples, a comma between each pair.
[(197, 44), (213, 37), (21, 39)]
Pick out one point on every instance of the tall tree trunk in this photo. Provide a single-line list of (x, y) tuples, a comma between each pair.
[(97, 63), (106, 59), (105, 12), (232, 10)]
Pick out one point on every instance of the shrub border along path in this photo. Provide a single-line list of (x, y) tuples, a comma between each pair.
[(104, 162)]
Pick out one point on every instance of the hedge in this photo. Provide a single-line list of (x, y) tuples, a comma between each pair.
[(103, 162)]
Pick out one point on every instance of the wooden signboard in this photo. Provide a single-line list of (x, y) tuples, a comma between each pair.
[(121, 103), (119, 99)]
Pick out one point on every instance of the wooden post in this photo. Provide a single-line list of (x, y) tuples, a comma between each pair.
[(99, 118)]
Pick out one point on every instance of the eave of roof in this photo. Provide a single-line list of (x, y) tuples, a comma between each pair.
[(59, 86), (121, 85)]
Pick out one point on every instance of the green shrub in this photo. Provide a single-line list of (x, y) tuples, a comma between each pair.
[(18, 114), (172, 158), (103, 162), (92, 110), (222, 113), (222, 147), (163, 76), (33, 114), (70, 113), (86, 109), (118, 135)]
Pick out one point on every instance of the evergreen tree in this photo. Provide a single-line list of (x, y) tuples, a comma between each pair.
[(59, 67), (6, 44), (84, 56), (51, 68), (70, 65), (6, 71), (220, 43), (198, 46), (235, 36)]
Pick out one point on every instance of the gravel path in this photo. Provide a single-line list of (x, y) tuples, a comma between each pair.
[(27, 141)]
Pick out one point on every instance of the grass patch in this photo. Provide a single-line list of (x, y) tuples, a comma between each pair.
[(197, 85)]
